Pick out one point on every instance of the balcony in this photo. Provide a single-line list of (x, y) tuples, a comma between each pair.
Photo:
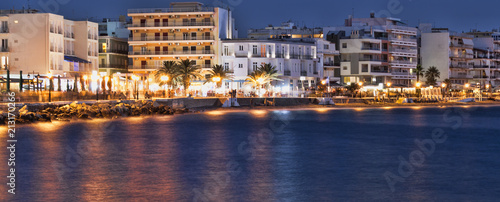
[(4, 30), (136, 67), (405, 62), (60, 50), (4, 49), (461, 76), (172, 38), (399, 50), (188, 52), (461, 45), (482, 67), (371, 48), (115, 66), (170, 10), (303, 57), (287, 73), (303, 73), (368, 59), (172, 24), (406, 39), (464, 66), (113, 51), (52, 29), (329, 63), (379, 70)]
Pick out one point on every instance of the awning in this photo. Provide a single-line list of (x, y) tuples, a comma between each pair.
[(74, 59), (468, 42), (469, 51)]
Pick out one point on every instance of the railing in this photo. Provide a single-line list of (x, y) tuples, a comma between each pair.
[(461, 66), (51, 29), (479, 77), (172, 24), (60, 50), (206, 66), (461, 76), (403, 62), (113, 51), (315, 73), (460, 45), (379, 70), (403, 39), (397, 50), (466, 56), (303, 73), (170, 38), (4, 49), (144, 66), (371, 48), (170, 10), (287, 73), (4, 30), (113, 66), (401, 73), (368, 59), (482, 66), (305, 57), (59, 30), (188, 52), (331, 63), (241, 54)]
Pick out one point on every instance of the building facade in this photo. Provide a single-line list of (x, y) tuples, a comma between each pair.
[(297, 62), (43, 43), (183, 31), (375, 50)]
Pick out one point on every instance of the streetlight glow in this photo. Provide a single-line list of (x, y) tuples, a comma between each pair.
[(418, 84), (443, 85), (389, 84), (49, 75), (216, 79), (164, 78), (85, 77), (323, 82), (487, 86), (360, 83), (467, 85)]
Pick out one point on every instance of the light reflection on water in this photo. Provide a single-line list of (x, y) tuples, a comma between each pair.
[(322, 154)]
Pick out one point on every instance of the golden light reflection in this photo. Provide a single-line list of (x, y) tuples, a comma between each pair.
[(49, 126), (417, 108), (322, 110), (387, 108), (258, 113), (358, 109), (215, 113)]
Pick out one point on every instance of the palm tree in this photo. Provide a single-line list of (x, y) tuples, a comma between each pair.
[(270, 70), (353, 88), (220, 72), (187, 72), (169, 69), (448, 84), (258, 78), (419, 71), (432, 74)]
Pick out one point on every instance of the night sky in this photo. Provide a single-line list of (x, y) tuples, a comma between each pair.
[(458, 15)]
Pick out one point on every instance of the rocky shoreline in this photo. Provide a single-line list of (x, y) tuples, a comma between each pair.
[(31, 114)]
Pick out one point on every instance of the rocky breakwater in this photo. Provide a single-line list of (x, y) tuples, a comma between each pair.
[(75, 110)]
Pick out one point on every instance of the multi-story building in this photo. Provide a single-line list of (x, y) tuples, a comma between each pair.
[(113, 55), (450, 52), (43, 43), (328, 55), (375, 50), (113, 46), (296, 61), (183, 31), (486, 63), (114, 28)]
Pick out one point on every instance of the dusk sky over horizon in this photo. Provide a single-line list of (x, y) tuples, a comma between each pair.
[(458, 15)]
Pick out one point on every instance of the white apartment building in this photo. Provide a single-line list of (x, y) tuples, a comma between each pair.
[(451, 53), (114, 28), (43, 43), (183, 31), (296, 61), (375, 50), (328, 55)]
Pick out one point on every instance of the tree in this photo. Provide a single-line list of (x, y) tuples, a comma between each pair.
[(419, 71), (431, 75), (169, 69), (270, 72), (448, 84), (187, 72), (258, 78), (353, 88), (221, 72)]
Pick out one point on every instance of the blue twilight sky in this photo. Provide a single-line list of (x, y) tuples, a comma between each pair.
[(458, 15)]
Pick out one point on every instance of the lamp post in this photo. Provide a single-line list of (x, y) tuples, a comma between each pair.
[(360, 84), (443, 88), (164, 79), (216, 80), (136, 78), (466, 89), (50, 86), (96, 78), (418, 85)]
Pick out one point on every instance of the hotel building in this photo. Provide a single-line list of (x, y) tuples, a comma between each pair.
[(328, 55), (43, 43), (451, 53), (183, 31), (375, 50), (296, 61)]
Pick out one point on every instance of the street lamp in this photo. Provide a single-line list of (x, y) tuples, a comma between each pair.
[(50, 86), (360, 84), (136, 78), (96, 78), (164, 79)]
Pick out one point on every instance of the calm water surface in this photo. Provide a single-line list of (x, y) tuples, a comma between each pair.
[(309, 155)]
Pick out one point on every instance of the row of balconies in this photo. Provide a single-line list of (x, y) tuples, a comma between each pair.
[(171, 38), (55, 30), (113, 51), (170, 10), (91, 53), (183, 52), (173, 24), (460, 45), (92, 36), (54, 49), (277, 55), (407, 39), (69, 35), (69, 52), (204, 66)]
